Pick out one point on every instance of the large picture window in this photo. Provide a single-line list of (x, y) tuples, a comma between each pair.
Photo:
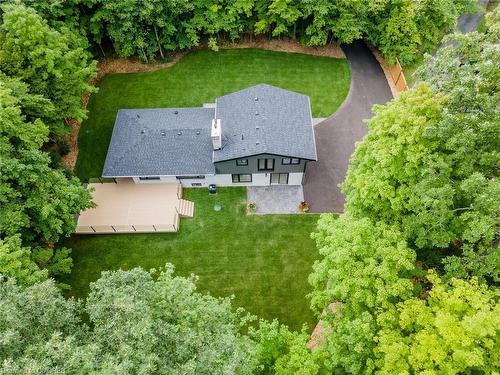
[(149, 178), (266, 164), (241, 162), (242, 178)]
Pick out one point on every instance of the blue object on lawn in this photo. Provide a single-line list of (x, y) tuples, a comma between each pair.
[(212, 189), (217, 207)]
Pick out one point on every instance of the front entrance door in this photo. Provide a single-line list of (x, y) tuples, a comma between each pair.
[(279, 178)]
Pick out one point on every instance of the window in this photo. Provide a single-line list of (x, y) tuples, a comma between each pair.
[(149, 178), (241, 162), (288, 161), (279, 178), (194, 184), (266, 164), (242, 178), (189, 177)]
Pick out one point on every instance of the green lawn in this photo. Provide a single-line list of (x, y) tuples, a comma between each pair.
[(263, 260), (200, 77)]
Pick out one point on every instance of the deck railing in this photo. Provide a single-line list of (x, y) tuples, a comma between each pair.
[(102, 180), (179, 191)]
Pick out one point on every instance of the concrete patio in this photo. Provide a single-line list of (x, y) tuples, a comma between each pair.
[(275, 199)]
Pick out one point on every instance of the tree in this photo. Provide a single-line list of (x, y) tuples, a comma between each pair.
[(16, 262), (65, 13), (138, 325), (282, 352), (37, 202), (454, 330), (165, 324), (277, 16), (344, 20), (415, 170), (395, 32), (365, 269), (31, 317), (55, 64), (218, 18)]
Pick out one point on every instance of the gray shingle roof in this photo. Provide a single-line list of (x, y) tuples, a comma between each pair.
[(265, 119), (155, 142)]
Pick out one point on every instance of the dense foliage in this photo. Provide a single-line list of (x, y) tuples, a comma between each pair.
[(37, 202), (149, 28), (137, 325), (53, 63), (365, 269), (430, 162), (409, 273), (43, 75), (453, 330)]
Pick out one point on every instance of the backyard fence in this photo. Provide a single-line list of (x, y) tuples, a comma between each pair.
[(398, 76)]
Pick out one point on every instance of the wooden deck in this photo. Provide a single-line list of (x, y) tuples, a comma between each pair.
[(127, 207)]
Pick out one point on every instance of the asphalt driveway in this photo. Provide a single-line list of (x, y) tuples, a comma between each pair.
[(469, 22), (337, 135)]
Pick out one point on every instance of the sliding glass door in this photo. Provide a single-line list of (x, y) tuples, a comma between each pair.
[(279, 178)]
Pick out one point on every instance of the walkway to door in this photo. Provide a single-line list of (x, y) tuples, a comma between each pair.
[(276, 199)]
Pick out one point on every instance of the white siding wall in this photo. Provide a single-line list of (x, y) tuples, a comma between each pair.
[(258, 179), (295, 178)]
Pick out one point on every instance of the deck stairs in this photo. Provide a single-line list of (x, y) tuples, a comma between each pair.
[(186, 208)]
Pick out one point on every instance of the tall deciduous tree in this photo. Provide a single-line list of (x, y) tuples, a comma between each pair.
[(54, 63), (365, 269), (454, 330), (36, 201), (139, 325), (16, 262), (430, 170), (277, 16), (282, 352)]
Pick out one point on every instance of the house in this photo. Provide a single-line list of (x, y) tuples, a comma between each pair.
[(258, 136)]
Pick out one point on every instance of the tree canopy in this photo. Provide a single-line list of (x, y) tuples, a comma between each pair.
[(55, 64), (454, 330), (430, 161), (138, 325), (37, 202), (401, 29), (408, 275), (365, 268)]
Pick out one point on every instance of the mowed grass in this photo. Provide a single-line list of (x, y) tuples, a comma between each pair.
[(264, 261), (199, 78)]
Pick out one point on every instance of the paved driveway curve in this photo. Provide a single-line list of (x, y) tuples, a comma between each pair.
[(469, 22), (336, 136)]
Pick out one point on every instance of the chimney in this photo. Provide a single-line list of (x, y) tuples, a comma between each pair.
[(216, 134)]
